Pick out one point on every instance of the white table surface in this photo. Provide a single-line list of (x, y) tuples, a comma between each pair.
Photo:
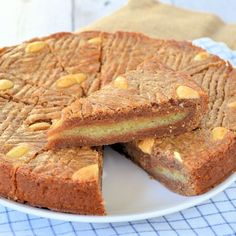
[(24, 19)]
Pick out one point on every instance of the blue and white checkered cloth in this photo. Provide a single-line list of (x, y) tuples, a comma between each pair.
[(216, 216)]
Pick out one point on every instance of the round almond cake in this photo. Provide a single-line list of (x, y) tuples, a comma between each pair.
[(94, 72)]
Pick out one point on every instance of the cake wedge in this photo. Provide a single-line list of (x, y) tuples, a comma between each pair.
[(151, 100), (194, 162)]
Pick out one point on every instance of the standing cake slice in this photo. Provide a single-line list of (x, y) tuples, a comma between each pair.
[(152, 100)]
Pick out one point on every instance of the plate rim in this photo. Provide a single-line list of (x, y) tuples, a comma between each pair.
[(46, 213)]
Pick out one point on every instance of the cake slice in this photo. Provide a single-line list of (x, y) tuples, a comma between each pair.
[(196, 161), (152, 100), (65, 180)]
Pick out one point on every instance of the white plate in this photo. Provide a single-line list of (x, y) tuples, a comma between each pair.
[(130, 194)]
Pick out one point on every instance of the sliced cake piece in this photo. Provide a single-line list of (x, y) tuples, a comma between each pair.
[(194, 162), (190, 164), (152, 100), (67, 180)]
